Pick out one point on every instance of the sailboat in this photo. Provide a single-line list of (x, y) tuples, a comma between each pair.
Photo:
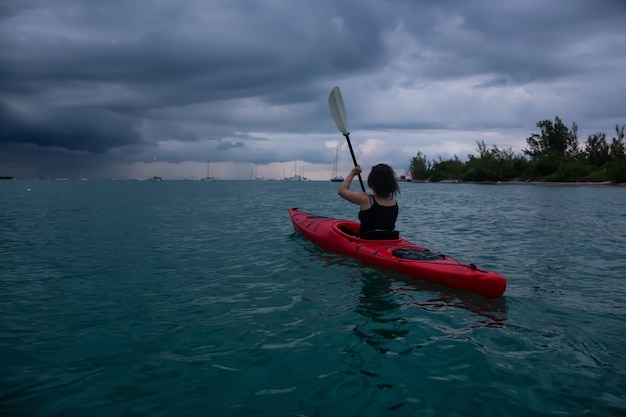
[(255, 175), (208, 174), (335, 177), (295, 177)]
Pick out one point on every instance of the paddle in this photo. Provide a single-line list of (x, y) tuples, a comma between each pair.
[(335, 102)]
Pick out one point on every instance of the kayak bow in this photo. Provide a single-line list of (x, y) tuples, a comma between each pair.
[(396, 254)]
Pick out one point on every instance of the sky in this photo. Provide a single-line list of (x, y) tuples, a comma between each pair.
[(239, 88)]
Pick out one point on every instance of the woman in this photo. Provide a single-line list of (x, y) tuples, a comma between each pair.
[(378, 210)]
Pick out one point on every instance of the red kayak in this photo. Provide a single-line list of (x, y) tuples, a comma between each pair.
[(397, 254)]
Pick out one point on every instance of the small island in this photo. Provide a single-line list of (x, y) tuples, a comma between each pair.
[(554, 155)]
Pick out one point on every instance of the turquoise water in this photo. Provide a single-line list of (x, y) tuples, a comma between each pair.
[(178, 298)]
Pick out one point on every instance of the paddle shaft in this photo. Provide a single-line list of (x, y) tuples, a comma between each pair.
[(347, 135)]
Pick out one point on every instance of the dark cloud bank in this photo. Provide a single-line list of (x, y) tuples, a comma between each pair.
[(108, 81)]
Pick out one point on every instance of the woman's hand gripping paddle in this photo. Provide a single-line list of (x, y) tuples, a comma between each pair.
[(335, 102)]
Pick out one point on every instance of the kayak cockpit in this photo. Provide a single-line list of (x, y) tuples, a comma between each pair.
[(381, 234), (351, 229)]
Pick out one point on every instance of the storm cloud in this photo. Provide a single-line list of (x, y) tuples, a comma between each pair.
[(136, 80)]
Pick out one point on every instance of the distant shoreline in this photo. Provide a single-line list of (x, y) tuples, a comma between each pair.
[(550, 183), (553, 183)]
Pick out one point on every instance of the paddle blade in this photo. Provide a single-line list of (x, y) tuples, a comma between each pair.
[(335, 103)]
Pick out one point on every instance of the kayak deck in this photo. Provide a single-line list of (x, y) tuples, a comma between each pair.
[(396, 254)]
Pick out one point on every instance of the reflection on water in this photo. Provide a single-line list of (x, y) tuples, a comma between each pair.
[(388, 303), (487, 312), (377, 302), (376, 298)]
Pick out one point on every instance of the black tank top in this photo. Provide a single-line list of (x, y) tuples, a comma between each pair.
[(378, 217)]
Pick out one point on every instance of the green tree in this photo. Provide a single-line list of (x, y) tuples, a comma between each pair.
[(555, 141), (597, 149), (572, 151), (420, 167), (616, 149), (495, 164), (573, 170), (616, 170), (541, 167), (447, 169), (481, 168)]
